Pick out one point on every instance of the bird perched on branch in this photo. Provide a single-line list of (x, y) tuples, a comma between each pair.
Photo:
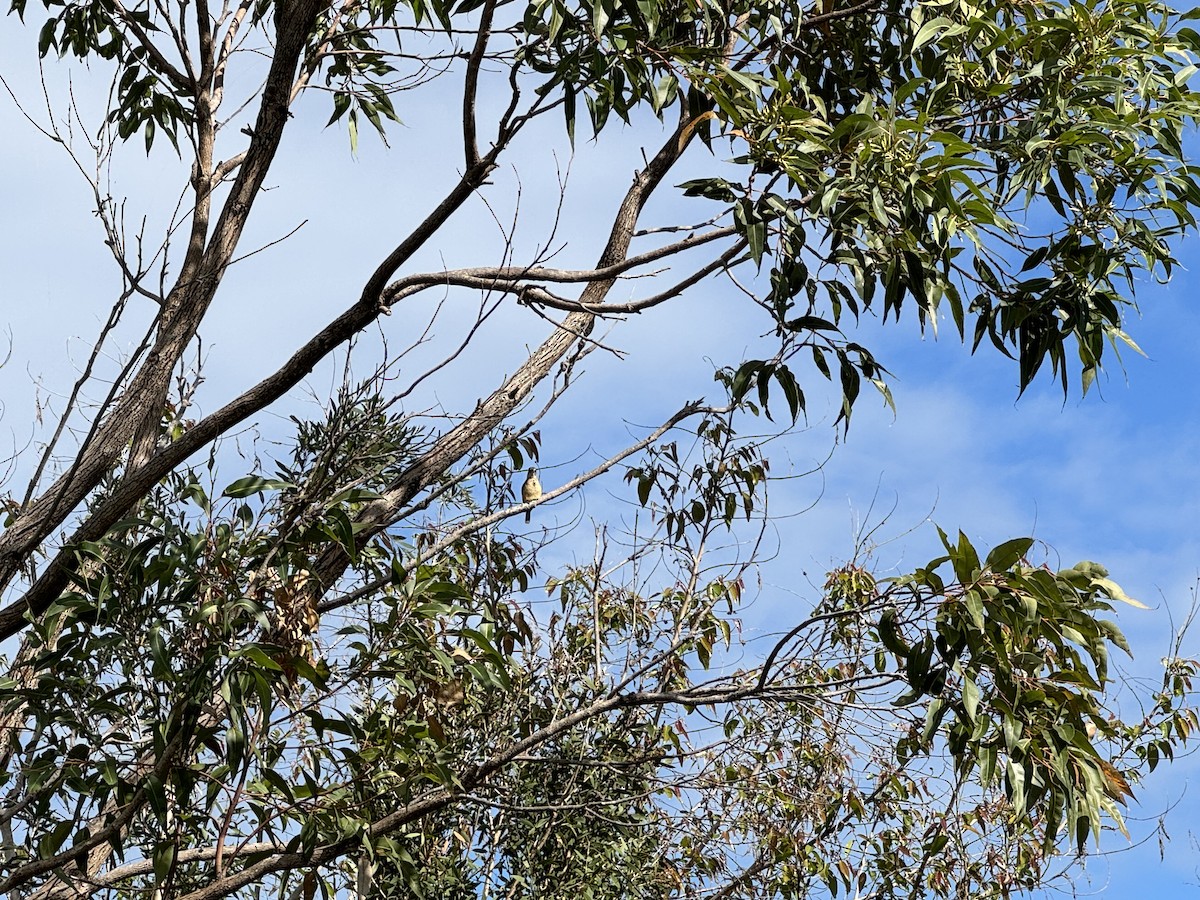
[(531, 490)]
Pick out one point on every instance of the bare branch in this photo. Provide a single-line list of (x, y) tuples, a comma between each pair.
[(470, 142)]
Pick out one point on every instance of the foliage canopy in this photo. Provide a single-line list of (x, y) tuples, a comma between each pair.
[(327, 674)]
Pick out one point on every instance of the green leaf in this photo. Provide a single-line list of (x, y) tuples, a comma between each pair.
[(752, 227), (965, 560), (711, 188), (970, 698), (54, 838), (974, 604), (46, 38), (156, 794), (1114, 590), (158, 653), (1004, 556), (1014, 774), (255, 484), (256, 655), (600, 16), (933, 717), (569, 113), (916, 278), (342, 530), (164, 860), (791, 390), (235, 747)]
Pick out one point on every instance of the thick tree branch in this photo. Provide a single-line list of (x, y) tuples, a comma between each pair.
[(492, 411), (146, 866), (137, 481), (479, 523), (186, 306), (519, 274), (104, 827), (545, 298), (468, 781)]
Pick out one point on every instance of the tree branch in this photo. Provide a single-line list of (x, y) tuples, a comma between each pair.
[(470, 89), (186, 306), (162, 65)]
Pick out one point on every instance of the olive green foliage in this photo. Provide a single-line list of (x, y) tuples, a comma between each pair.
[(331, 666), (1016, 164), (451, 741), (898, 152)]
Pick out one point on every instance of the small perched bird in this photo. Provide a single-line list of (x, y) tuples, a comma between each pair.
[(531, 490)]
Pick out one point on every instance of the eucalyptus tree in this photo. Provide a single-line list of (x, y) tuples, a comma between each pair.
[(326, 673)]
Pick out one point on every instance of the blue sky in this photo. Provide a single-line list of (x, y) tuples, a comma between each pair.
[(1111, 477)]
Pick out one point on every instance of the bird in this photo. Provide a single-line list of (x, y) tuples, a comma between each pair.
[(531, 491)]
